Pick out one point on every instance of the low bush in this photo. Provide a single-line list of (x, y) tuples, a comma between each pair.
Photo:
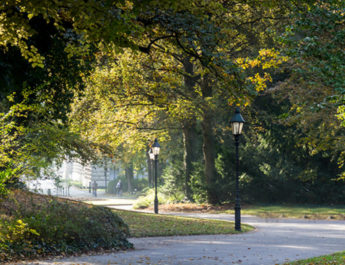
[(138, 184), (147, 199), (33, 225)]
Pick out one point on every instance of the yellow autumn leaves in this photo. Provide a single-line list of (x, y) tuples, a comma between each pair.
[(267, 59)]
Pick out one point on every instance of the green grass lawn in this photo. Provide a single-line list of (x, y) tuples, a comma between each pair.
[(146, 224), (334, 259), (265, 211), (296, 211)]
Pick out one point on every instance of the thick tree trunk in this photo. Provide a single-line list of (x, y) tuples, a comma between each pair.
[(189, 143), (189, 131), (129, 175), (209, 157), (209, 144)]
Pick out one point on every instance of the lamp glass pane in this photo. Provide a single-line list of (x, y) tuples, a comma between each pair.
[(155, 150), (240, 128), (152, 156), (235, 128)]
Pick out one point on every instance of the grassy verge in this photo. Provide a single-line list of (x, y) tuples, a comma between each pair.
[(268, 211), (145, 225), (303, 211), (334, 259)]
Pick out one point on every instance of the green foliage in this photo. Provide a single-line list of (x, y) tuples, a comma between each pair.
[(147, 199), (29, 149), (46, 50), (173, 179), (7, 178), (315, 86), (96, 23), (36, 225), (198, 183), (320, 31), (16, 237), (287, 168), (284, 172), (36, 91), (188, 71), (223, 184), (138, 183), (111, 188)]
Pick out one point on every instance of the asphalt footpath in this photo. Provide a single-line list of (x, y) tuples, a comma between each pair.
[(275, 241)]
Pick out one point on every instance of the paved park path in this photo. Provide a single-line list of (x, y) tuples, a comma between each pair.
[(275, 241)]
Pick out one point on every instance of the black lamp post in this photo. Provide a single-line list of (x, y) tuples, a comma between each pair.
[(237, 122), (155, 150)]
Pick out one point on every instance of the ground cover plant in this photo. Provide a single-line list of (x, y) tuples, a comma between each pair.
[(33, 225), (333, 259), (146, 224)]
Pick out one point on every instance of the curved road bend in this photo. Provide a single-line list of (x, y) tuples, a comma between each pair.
[(275, 241)]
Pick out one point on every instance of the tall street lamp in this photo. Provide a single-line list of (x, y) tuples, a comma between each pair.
[(237, 122), (155, 150)]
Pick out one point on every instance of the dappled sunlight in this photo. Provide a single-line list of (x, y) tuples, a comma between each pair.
[(88, 88), (294, 247)]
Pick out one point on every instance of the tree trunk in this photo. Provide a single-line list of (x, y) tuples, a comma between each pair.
[(209, 157), (209, 143), (189, 144), (129, 176), (189, 131)]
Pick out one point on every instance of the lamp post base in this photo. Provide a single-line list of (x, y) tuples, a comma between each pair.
[(156, 205), (237, 218)]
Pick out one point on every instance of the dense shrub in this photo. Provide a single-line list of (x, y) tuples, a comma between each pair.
[(35, 225), (147, 199), (198, 183), (138, 184), (111, 187)]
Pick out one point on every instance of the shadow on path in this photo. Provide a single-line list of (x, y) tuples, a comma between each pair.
[(275, 241)]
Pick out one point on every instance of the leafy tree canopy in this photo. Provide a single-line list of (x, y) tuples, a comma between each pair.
[(315, 89)]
